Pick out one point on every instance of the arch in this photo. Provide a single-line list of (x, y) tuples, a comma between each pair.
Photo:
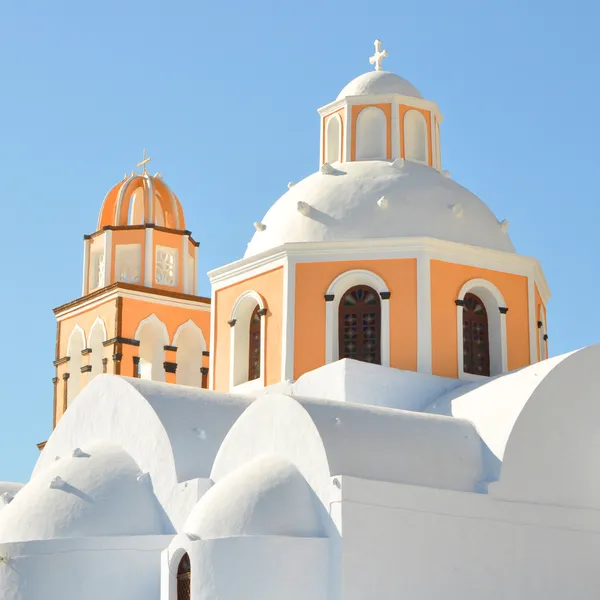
[(153, 336), (245, 307), (96, 338), (333, 139), (184, 578), (359, 324), (476, 341), (493, 301), (75, 346), (371, 134), (190, 343), (337, 288), (416, 147)]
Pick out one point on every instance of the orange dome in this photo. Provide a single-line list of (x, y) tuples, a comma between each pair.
[(140, 200)]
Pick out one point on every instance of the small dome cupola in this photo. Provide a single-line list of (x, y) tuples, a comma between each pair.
[(380, 116), (141, 237)]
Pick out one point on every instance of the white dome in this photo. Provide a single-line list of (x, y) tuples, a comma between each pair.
[(91, 495), (379, 82), (344, 207), (267, 496)]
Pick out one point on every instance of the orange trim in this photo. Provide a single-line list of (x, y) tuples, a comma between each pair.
[(387, 111)]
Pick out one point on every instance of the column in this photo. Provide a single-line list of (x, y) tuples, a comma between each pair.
[(85, 285), (148, 255), (170, 364)]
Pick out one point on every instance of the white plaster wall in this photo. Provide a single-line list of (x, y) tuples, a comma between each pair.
[(353, 381), (91, 569), (260, 568), (403, 542)]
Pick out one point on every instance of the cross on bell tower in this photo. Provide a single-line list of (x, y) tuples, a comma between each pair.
[(379, 55)]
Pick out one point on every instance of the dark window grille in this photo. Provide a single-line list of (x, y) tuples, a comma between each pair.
[(184, 573), (254, 350), (359, 325), (476, 343)]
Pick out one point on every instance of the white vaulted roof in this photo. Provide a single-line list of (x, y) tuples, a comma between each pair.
[(419, 202), (379, 82)]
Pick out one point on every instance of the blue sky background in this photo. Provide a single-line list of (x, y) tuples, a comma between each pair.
[(224, 96)]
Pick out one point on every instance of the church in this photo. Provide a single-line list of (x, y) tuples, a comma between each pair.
[(364, 407)]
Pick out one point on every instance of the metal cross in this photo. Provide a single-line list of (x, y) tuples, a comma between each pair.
[(144, 162), (379, 55)]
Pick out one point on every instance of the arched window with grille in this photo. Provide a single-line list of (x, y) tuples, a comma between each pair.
[(184, 573), (359, 325), (254, 349), (476, 342)]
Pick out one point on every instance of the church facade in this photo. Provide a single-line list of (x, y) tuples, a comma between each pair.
[(364, 407)]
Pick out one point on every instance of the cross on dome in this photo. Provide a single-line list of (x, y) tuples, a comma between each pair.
[(379, 55), (145, 160)]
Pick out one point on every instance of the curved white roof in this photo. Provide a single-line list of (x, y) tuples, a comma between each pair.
[(421, 202), (267, 496), (379, 82), (96, 493)]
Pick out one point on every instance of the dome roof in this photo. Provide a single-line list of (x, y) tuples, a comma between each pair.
[(128, 203), (267, 496), (344, 206), (379, 82), (86, 495)]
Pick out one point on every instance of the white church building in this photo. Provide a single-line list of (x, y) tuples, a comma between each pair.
[(363, 409)]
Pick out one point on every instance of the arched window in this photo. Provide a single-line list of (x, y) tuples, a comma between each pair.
[(333, 139), (184, 578), (190, 345), (371, 134), (359, 325), (415, 137), (254, 349), (74, 348), (153, 337), (476, 343)]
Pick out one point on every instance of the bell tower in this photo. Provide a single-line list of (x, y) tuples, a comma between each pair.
[(139, 313)]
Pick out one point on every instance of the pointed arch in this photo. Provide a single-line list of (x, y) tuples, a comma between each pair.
[(153, 336), (333, 139), (371, 134), (190, 343), (96, 338), (416, 147), (75, 346)]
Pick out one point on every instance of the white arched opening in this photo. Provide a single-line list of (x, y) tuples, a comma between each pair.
[(96, 338), (495, 307), (334, 294), (75, 346), (333, 139), (244, 309), (415, 137), (190, 344), (153, 336), (542, 333), (371, 134)]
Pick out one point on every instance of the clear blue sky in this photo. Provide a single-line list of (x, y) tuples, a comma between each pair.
[(224, 96)]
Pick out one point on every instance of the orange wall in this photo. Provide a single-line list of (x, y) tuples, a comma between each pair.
[(269, 285), (312, 281), (538, 317), (446, 281), (387, 110)]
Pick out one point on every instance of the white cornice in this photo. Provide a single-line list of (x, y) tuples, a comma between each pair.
[(384, 248)]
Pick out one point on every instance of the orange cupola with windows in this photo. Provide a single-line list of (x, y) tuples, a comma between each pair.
[(139, 313)]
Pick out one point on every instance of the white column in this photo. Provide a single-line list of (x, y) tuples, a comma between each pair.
[(532, 321), (196, 271), (347, 133), (287, 338), (212, 343), (107, 257), (186, 286), (424, 363), (148, 256), (395, 130), (322, 148), (85, 285)]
